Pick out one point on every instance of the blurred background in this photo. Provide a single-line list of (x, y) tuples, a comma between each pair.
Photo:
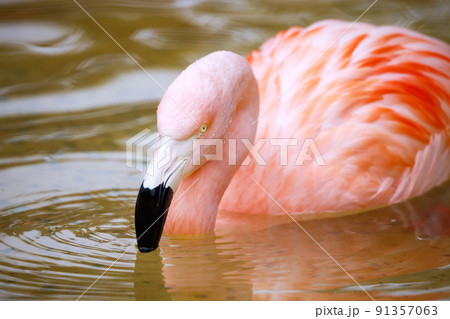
[(69, 100)]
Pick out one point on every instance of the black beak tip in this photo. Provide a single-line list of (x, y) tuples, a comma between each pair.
[(150, 215), (144, 249)]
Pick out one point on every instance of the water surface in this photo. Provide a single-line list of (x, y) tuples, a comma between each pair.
[(69, 100)]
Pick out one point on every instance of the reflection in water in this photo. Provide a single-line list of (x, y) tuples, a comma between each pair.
[(148, 279), (273, 259), (201, 270), (69, 100)]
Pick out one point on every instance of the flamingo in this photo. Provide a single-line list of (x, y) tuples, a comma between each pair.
[(374, 100)]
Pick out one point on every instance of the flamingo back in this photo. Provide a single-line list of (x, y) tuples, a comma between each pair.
[(373, 99)]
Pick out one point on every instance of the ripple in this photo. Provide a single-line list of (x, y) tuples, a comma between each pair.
[(41, 38), (430, 281), (57, 236), (55, 252), (65, 177), (130, 87)]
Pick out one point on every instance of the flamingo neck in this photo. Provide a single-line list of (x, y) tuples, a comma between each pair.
[(196, 201)]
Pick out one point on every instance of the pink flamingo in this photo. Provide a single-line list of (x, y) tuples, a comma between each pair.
[(374, 100)]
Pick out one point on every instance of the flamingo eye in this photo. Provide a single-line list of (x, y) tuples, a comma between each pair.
[(203, 128)]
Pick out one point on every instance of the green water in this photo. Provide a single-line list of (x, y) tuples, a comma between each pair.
[(69, 100)]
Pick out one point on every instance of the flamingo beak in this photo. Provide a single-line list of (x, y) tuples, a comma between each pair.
[(165, 173), (152, 206)]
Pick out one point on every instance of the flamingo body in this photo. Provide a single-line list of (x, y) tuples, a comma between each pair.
[(375, 101), (377, 105)]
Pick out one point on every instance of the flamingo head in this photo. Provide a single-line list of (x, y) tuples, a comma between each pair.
[(207, 103)]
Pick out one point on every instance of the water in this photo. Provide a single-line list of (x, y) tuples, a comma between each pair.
[(69, 100)]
